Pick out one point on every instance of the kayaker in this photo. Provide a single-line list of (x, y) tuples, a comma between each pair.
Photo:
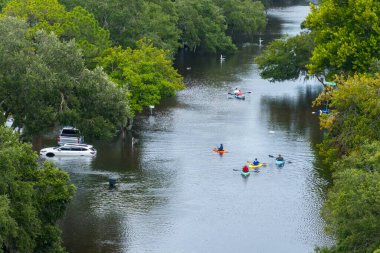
[(256, 162), (220, 147), (236, 91), (245, 168), (279, 158)]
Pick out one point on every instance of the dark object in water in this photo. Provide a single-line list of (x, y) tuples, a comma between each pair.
[(112, 182)]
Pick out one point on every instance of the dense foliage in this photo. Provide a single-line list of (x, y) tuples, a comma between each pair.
[(43, 82), (243, 17), (351, 209), (72, 93), (286, 58), (355, 116), (204, 25), (145, 72), (77, 23), (32, 199), (346, 36), (351, 146), (128, 23)]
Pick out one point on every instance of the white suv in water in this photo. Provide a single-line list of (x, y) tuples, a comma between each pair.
[(69, 134), (69, 149)]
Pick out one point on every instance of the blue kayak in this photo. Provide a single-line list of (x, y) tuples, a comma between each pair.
[(245, 174), (240, 97), (280, 163)]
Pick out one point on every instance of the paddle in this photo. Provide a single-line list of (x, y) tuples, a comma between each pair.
[(241, 170), (230, 93), (271, 156), (220, 151)]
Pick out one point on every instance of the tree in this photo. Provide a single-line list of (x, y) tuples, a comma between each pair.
[(352, 147), (366, 158), (146, 72), (355, 114), (243, 17), (286, 58), (32, 198), (346, 34), (351, 211), (51, 16), (8, 223), (138, 19), (44, 83), (203, 26)]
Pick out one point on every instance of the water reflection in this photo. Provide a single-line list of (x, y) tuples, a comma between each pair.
[(81, 164), (293, 114)]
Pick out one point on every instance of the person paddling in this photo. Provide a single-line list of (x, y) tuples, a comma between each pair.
[(245, 169), (220, 147), (279, 158), (255, 162)]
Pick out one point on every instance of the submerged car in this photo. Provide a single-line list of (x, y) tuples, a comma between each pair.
[(69, 134), (69, 149)]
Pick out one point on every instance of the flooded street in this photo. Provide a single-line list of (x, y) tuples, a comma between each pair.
[(173, 194)]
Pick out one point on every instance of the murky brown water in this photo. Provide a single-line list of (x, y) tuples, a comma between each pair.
[(175, 195)]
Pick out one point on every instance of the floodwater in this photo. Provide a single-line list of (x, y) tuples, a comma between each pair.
[(173, 194)]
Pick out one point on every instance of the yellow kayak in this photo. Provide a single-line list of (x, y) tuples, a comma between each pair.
[(255, 166), (250, 165)]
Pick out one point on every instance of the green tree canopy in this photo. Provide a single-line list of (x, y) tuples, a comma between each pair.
[(137, 19), (243, 17), (32, 199), (146, 72), (51, 16), (44, 83), (355, 114), (351, 210), (346, 34), (286, 58), (352, 146), (366, 158), (203, 26)]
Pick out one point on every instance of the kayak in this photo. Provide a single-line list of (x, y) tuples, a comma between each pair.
[(255, 166), (245, 174), (219, 151), (240, 96), (280, 163)]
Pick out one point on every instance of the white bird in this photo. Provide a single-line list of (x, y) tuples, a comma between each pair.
[(222, 58)]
